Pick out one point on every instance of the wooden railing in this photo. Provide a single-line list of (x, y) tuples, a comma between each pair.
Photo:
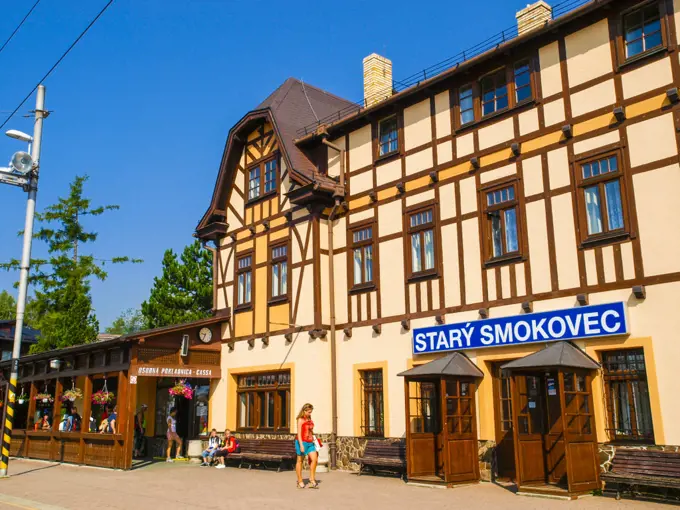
[(102, 450)]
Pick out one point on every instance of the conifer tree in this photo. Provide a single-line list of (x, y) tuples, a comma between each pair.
[(183, 293), (62, 303)]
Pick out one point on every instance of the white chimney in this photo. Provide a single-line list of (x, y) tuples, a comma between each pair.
[(377, 79), (533, 16)]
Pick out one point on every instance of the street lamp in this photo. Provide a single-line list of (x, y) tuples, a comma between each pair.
[(23, 172)]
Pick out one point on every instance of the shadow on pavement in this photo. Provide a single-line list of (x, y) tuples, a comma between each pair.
[(41, 468)]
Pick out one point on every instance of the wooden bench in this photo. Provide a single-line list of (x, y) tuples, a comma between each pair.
[(631, 469), (383, 456), (260, 452)]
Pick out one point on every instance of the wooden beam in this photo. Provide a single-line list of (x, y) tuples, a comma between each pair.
[(87, 410)]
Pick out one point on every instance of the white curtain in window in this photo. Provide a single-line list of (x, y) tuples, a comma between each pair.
[(593, 211), (284, 277), (416, 262), (429, 249), (275, 280), (248, 286), (357, 266), (241, 288), (368, 263)]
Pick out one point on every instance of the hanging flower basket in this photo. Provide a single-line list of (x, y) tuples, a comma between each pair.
[(182, 389), (102, 397), (21, 399), (72, 395), (43, 398)]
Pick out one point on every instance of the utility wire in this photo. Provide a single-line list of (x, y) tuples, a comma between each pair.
[(19, 25), (57, 63)]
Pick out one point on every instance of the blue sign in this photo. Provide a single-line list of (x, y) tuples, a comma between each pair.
[(568, 324)]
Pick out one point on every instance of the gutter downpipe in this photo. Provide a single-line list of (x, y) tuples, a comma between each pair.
[(212, 250), (333, 449)]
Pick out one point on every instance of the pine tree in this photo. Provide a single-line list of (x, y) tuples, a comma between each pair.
[(183, 293), (62, 304)]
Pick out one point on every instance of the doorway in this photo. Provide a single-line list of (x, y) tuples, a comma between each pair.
[(555, 443), (505, 442), (539, 429), (442, 430)]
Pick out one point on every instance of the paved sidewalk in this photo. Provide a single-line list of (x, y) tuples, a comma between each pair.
[(174, 486)]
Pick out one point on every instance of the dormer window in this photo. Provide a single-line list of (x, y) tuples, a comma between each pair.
[(262, 178), (388, 139)]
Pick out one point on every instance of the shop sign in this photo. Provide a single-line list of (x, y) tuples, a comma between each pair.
[(568, 324), (184, 371)]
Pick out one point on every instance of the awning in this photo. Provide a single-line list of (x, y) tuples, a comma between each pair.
[(455, 364), (556, 355)]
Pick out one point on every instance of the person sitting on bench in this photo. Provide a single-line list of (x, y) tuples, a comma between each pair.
[(230, 444), (213, 446)]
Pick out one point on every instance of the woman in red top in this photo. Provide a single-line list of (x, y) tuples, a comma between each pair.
[(304, 446)]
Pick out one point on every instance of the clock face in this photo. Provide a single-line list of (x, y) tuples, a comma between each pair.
[(205, 335)]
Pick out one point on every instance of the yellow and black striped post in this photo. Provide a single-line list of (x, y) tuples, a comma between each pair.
[(9, 418)]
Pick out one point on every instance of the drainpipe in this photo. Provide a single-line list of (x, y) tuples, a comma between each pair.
[(212, 250), (333, 450)]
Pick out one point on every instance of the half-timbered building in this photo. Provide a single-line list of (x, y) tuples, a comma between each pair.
[(537, 176), (521, 193)]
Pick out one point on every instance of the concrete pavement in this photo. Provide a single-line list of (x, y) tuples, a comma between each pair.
[(45, 486)]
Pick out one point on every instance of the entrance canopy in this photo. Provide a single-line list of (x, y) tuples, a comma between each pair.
[(556, 355), (456, 365)]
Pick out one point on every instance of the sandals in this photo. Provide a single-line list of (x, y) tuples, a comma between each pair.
[(313, 484), (300, 485)]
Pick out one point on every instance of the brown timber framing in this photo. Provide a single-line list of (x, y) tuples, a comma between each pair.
[(547, 195)]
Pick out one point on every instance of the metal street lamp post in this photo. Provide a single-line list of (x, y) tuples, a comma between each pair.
[(29, 182)]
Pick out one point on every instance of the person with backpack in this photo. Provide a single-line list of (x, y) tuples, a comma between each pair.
[(229, 445)]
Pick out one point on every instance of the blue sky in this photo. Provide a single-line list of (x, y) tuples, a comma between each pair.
[(144, 102)]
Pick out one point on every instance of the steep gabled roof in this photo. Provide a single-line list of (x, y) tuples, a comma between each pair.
[(296, 104), (290, 107)]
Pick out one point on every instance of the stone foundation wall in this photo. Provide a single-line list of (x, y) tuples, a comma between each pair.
[(607, 451)]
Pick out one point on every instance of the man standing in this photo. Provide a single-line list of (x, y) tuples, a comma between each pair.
[(173, 437)]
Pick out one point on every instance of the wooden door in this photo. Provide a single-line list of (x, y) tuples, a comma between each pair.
[(553, 441), (461, 460), (527, 425), (423, 428), (505, 442), (582, 466)]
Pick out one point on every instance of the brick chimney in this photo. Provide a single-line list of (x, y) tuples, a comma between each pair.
[(533, 16), (377, 79)]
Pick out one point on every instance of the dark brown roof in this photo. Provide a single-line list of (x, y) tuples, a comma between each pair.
[(455, 364), (556, 355), (290, 107), (296, 104)]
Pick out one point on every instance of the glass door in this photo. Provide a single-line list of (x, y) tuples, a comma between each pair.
[(423, 429)]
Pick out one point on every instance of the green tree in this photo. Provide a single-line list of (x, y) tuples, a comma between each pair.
[(8, 309), (8, 306), (183, 293), (62, 303), (130, 321)]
